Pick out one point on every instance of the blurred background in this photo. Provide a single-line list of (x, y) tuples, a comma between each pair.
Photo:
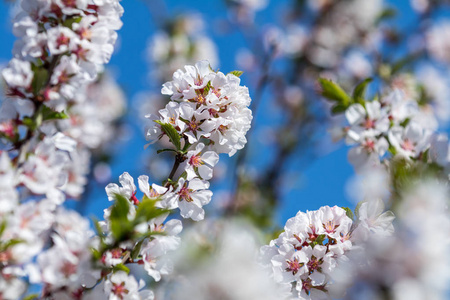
[(290, 162)]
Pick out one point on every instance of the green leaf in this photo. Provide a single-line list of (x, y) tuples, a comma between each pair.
[(236, 73), (120, 225), (165, 150), (29, 122), (2, 227), (338, 109), (31, 297), (349, 212), (69, 22), (360, 90), (405, 122), (172, 133), (136, 250), (207, 88), (425, 155), (50, 114), (334, 92), (387, 13), (147, 211), (319, 240), (10, 243), (40, 79), (96, 254), (121, 267), (392, 150)]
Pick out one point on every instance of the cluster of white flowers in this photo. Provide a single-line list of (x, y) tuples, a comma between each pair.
[(396, 122), (64, 267), (76, 38), (313, 244), (150, 252), (52, 118), (209, 110), (185, 43), (93, 113), (62, 47), (206, 105)]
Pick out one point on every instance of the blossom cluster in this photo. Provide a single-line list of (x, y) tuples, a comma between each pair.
[(76, 39), (51, 89), (315, 243), (395, 123), (209, 110), (50, 121), (146, 243)]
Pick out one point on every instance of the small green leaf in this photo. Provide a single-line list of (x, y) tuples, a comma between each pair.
[(319, 240), (338, 109), (207, 88), (405, 122), (50, 114), (120, 225), (96, 254), (30, 123), (334, 92), (2, 227), (69, 22), (359, 92), (165, 150), (236, 73), (40, 79), (147, 211), (121, 267), (31, 297), (425, 155), (392, 150), (387, 13), (172, 133), (349, 212), (136, 250)]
